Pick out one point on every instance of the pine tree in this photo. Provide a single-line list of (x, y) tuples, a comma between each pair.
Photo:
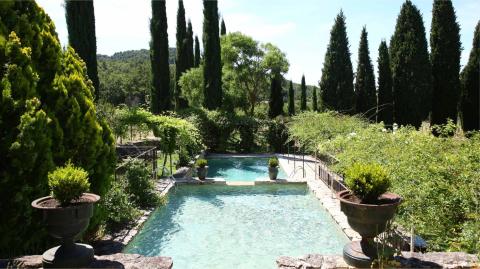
[(303, 96), (445, 58), (80, 17), (291, 100), (470, 79), (181, 60), (190, 53), (411, 70), (275, 103), (336, 84), (223, 29), (196, 61), (212, 68), (314, 100), (385, 94), (159, 54), (366, 97)]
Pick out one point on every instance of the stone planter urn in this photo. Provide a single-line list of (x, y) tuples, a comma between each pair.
[(202, 172), (65, 223), (369, 220), (273, 172)]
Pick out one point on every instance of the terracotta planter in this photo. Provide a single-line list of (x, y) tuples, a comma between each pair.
[(369, 220), (202, 172), (273, 172), (66, 223)]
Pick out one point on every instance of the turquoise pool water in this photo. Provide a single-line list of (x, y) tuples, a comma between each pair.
[(241, 168), (238, 227)]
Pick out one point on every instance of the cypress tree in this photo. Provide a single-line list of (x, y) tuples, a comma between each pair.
[(303, 96), (223, 29), (470, 78), (212, 68), (314, 99), (190, 53), (385, 94), (366, 97), (445, 58), (196, 61), (291, 100), (181, 60), (411, 70), (275, 103), (80, 17), (159, 54), (336, 84)]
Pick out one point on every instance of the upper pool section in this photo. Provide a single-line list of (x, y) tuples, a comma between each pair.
[(240, 168)]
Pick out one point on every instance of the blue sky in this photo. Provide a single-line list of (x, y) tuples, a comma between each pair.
[(300, 28)]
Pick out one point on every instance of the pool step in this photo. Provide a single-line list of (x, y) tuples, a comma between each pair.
[(240, 183)]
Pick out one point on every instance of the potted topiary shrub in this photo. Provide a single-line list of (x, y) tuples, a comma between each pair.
[(66, 213), (273, 168), (368, 207), (202, 168)]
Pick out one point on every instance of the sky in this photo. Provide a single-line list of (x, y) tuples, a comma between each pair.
[(300, 28)]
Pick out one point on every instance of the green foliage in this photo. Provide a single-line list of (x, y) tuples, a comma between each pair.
[(303, 95), (182, 57), (275, 103), (385, 94), (68, 183), (445, 130), (314, 99), (273, 162), (192, 84), (201, 163), (212, 67), (223, 29), (139, 184), (411, 70), (336, 84), (445, 50), (470, 82), (196, 62), (189, 41), (365, 91), (291, 100), (118, 206), (277, 134), (367, 181), (160, 99)]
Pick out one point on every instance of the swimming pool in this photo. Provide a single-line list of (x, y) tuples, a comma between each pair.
[(241, 168), (238, 227)]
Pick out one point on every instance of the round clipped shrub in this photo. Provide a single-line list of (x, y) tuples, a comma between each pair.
[(367, 181), (273, 162), (68, 183), (201, 163)]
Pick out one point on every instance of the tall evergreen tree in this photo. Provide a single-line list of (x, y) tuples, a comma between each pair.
[(181, 61), (385, 94), (411, 70), (275, 103), (160, 95), (470, 79), (366, 97), (291, 100), (223, 29), (303, 96), (196, 61), (314, 99), (80, 17), (336, 84), (190, 53), (212, 68), (445, 53)]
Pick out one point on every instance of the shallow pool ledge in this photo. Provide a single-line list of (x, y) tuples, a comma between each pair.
[(278, 181)]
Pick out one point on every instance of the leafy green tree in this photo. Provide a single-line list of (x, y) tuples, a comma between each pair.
[(314, 99), (190, 53), (212, 68), (411, 70), (160, 94), (385, 94), (366, 96), (470, 78), (192, 85), (181, 62), (247, 66), (80, 18), (303, 96), (336, 84), (196, 62), (291, 100), (445, 50), (47, 117), (223, 29), (275, 104)]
